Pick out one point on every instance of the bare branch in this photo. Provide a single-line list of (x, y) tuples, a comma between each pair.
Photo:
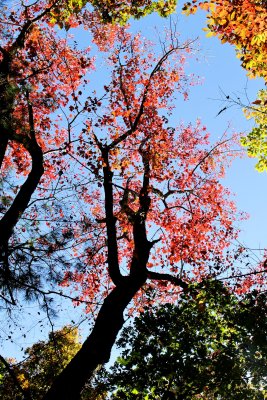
[(167, 277), (208, 154)]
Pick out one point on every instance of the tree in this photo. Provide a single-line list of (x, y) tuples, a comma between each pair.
[(96, 206), (34, 84), (43, 362), (148, 177), (210, 345)]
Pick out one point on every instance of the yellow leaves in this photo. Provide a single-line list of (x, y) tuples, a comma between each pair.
[(44, 361), (256, 140), (257, 39), (120, 12), (193, 10), (258, 110), (186, 9), (155, 159), (23, 381), (261, 166), (210, 34), (212, 6), (250, 64), (61, 13), (232, 16), (116, 165)]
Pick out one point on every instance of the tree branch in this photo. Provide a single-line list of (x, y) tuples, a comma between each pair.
[(142, 245), (21, 201), (54, 292), (134, 125), (167, 277), (113, 258), (20, 40)]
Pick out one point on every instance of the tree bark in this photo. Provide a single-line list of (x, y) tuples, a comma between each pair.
[(21, 201), (97, 347)]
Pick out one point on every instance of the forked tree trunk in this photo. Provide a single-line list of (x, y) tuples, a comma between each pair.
[(97, 347)]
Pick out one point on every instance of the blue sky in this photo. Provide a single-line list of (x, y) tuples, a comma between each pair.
[(220, 70)]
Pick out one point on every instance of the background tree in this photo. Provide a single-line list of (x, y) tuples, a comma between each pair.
[(210, 345), (43, 362)]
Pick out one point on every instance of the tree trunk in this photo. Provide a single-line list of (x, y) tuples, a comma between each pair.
[(97, 347)]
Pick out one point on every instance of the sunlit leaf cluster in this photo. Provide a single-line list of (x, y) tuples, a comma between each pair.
[(256, 140), (111, 11)]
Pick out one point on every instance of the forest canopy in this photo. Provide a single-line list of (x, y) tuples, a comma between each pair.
[(107, 198)]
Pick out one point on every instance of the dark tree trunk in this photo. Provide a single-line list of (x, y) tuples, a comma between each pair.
[(22, 199), (97, 347), (3, 146)]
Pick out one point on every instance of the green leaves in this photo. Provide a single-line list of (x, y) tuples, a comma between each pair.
[(111, 11), (210, 345), (121, 12), (256, 140)]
